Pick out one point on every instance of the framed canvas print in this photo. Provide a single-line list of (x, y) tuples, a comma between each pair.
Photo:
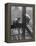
[(19, 22)]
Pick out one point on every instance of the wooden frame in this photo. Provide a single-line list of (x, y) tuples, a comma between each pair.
[(8, 21)]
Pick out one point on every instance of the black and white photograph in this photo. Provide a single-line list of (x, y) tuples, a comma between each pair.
[(21, 22)]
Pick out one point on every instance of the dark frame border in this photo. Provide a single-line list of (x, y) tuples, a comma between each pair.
[(22, 5)]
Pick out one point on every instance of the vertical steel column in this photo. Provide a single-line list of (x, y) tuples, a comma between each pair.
[(23, 21)]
